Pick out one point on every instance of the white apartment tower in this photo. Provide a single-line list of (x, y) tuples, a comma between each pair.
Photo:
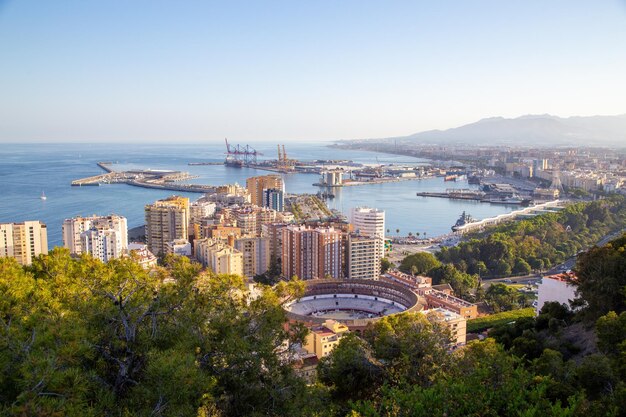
[(104, 237), (369, 222)]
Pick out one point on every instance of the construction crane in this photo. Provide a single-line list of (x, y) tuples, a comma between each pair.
[(237, 155), (283, 163)]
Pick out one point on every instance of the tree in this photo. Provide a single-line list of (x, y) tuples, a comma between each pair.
[(412, 348), (521, 267), (385, 264), (422, 261), (501, 297), (462, 283), (272, 275), (350, 370), (601, 278), (83, 338)]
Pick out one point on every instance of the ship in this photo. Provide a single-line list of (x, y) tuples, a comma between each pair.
[(450, 178), (325, 195), (473, 179), (463, 220), (43, 196), (232, 162), (513, 200)]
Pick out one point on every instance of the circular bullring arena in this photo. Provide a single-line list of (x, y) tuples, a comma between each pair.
[(354, 303)]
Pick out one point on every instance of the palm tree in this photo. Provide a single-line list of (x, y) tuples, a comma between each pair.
[(398, 232), (411, 234), (417, 234)]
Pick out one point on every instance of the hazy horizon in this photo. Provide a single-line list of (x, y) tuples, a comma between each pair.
[(196, 72)]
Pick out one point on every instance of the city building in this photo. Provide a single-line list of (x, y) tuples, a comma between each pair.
[(369, 222), (256, 186), (139, 253), (180, 247), (321, 340), (332, 178), (256, 255), (112, 228), (250, 219), (274, 198), (219, 256), (166, 220), (312, 252), (103, 243), (559, 288), (199, 211), (456, 324), (23, 241), (440, 299), (305, 366), (363, 260)]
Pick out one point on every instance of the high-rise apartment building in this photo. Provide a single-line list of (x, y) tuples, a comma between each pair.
[(23, 241), (166, 220), (256, 185), (274, 198), (363, 260), (251, 219), (256, 255), (312, 253), (369, 222), (219, 257), (104, 237), (103, 244)]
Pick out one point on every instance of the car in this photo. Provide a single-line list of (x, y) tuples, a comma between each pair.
[(508, 281)]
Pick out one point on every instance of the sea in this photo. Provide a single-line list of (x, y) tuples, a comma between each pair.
[(28, 170)]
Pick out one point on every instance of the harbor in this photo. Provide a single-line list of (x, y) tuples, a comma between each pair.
[(157, 179), (404, 211)]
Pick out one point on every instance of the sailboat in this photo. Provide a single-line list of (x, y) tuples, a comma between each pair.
[(43, 196)]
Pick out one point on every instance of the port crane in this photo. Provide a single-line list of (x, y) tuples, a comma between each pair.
[(241, 155), (283, 163)]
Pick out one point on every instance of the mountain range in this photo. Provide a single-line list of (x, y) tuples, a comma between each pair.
[(533, 130)]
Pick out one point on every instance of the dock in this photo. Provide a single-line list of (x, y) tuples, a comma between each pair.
[(527, 212), (156, 179)]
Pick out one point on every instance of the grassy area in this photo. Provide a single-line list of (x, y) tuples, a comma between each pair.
[(321, 206), (493, 320), (295, 209)]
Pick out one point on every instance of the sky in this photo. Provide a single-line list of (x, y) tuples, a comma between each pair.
[(199, 71)]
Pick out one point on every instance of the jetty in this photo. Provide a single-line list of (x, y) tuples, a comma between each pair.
[(550, 206), (157, 179)]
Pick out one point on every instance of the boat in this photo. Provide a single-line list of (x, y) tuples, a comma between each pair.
[(461, 177), (516, 200), (235, 163), (43, 196), (450, 178), (474, 179), (463, 220)]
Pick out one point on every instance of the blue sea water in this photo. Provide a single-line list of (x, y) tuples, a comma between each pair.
[(27, 170)]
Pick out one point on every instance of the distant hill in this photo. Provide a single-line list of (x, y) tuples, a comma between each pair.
[(531, 130)]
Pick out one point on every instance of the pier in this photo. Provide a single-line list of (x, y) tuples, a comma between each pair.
[(527, 212), (157, 179)]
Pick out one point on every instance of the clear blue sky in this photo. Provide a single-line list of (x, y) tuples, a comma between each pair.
[(133, 70)]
